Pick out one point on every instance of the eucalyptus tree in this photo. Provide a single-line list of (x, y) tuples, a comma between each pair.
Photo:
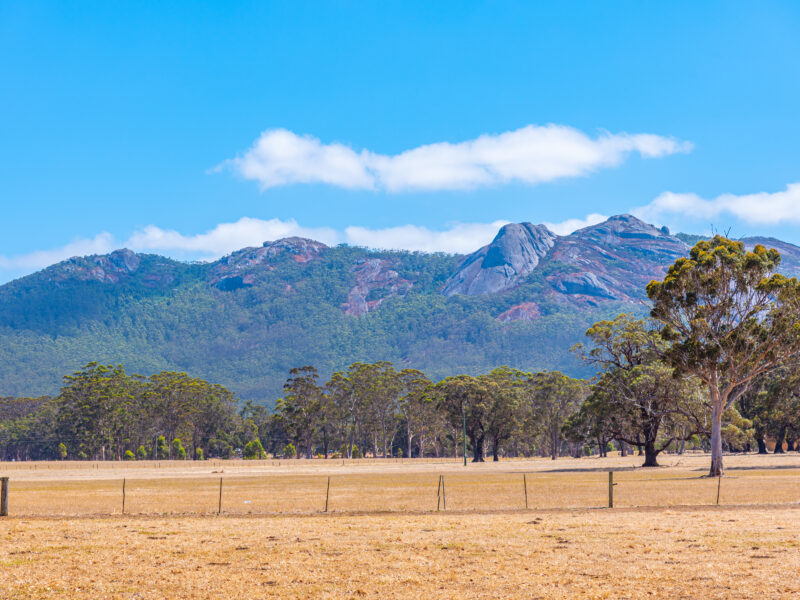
[(637, 395), (95, 410), (343, 405), (553, 398), (729, 317), (467, 398), (299, 407), (506, 405), (417, 407)]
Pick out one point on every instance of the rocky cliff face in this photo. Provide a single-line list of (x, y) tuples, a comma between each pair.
[(513, 255), (240, 268), (613, 260), (108, 268), (375, 282)]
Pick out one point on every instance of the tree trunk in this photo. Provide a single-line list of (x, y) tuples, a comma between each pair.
[(779, 441), (478, 454), (495, 450), (650, 454), (716, 438)]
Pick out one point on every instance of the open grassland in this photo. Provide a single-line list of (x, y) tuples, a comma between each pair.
[(383, 538), (709, 553), (300, 487)]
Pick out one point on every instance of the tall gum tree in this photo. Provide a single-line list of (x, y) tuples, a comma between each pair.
[(730, 318), (637, 397)]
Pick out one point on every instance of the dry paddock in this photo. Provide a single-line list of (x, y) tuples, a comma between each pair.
[(665, 538)]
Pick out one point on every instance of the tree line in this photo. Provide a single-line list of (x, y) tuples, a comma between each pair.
[(714, 366)]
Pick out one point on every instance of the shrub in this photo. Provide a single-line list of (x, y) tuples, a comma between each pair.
[(289, 451), (399, 453), (254, 450), (162, 449), (128, 455), (141, 453), (178, 451), (62, 451), (198, 454)]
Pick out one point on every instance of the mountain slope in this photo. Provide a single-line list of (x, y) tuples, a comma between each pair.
[(246, 319)]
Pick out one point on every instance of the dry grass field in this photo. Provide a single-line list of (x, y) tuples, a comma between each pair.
[(299, 486), (66, 538)]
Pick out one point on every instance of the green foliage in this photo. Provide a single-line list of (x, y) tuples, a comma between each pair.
[(128, 455), (141, 453), (253, 450), (198, 454), (169, 317), (162, 448), (289, 451), (178, 451), (62, 451), (730, 317)]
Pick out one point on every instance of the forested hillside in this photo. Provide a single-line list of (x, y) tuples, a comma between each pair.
[(245, 320)]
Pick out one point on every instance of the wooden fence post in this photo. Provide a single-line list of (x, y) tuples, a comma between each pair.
[(525, 485), (3, 496), (327, 493), (719, 483), (439, 493), (444, 495), (123, 495), (611, 489), (219, 508)]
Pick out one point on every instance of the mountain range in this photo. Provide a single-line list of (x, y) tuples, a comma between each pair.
[(246, 319)]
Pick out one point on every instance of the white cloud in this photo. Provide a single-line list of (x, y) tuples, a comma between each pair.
[(570, 225), (280, 157), (762, 208), (224, 238), (530, 155), (460, 238), (99, 244)]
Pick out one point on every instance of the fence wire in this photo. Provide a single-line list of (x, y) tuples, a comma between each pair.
[(283, 493)]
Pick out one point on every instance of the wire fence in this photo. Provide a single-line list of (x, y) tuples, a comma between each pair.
[(205, 494)]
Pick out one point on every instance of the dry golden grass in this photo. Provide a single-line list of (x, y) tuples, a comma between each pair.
[(623, 553), (264, 487), (485, 546)]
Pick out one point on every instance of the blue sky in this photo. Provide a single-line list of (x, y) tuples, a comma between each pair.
[(139, 124)]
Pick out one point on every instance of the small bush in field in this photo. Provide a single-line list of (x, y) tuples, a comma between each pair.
[(141, 453), (178, 451), (128, 455), (162, 448), (289, 451), (198, 454), (254, 450), (62, 451)]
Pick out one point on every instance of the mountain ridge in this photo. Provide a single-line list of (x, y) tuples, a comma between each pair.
[(248, 317)]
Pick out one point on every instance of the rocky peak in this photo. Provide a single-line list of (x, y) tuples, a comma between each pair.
[(108, 268), (240, 268), (505, 262), (302, 249), (375, 281), (621, 227), (614, 259)]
